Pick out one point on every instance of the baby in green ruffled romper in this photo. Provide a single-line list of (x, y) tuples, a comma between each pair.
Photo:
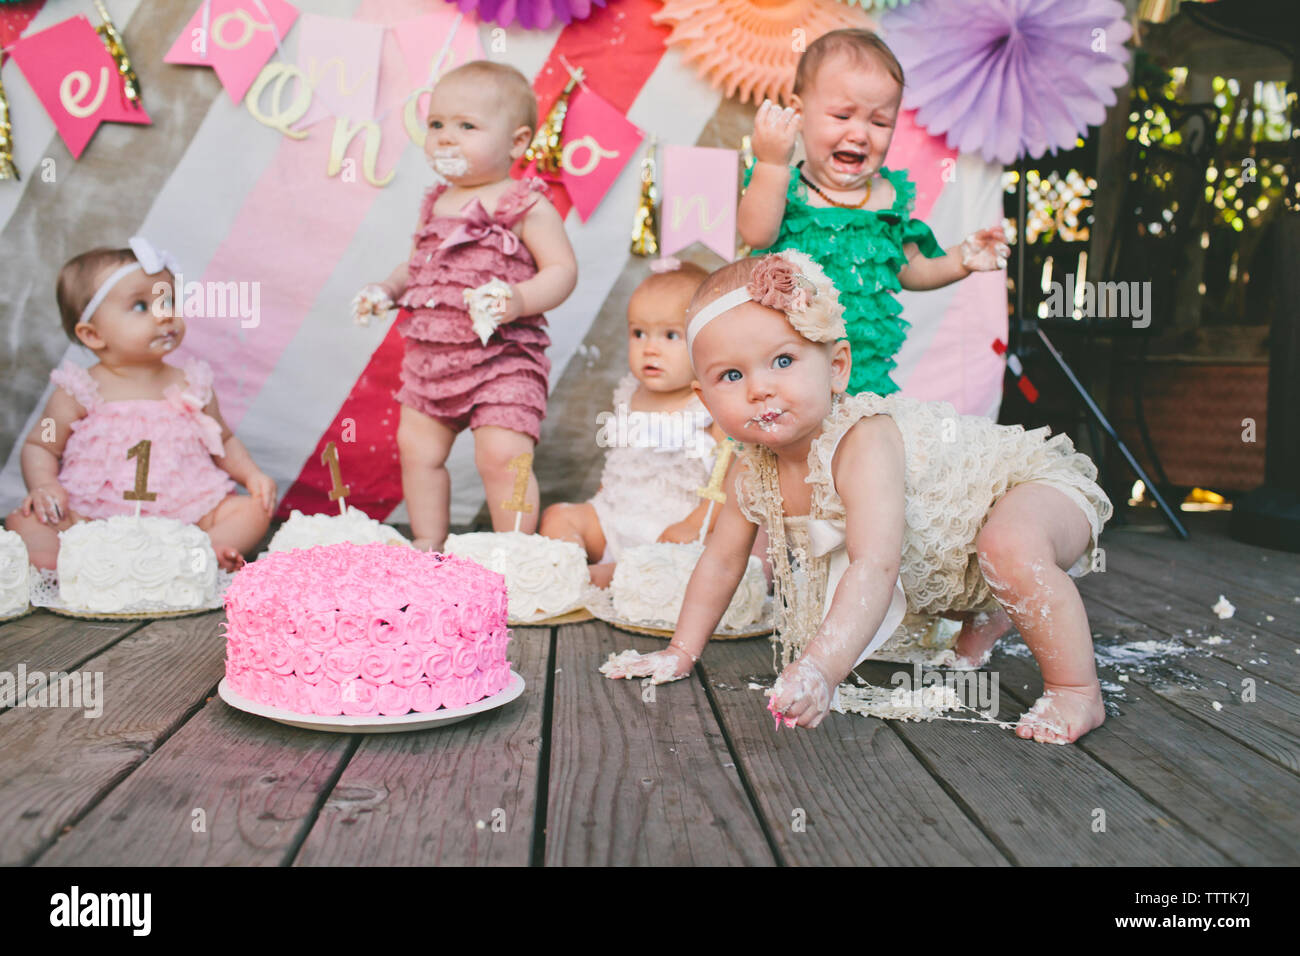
[(842, 207)]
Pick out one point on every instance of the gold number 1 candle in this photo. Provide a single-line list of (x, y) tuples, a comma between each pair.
[(338, 490), (140, 452), (522, 466)]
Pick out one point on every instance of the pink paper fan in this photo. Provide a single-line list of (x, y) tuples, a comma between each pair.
[(745, 48), (1006, 78)]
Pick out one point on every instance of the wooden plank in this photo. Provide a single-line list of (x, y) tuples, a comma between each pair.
[(58, 763), (1201, 583), (850, 792), (227, 789), (45, 642), (1269, 725), (636, 780), (1255, 651), (416, 799), (1040, 802), (1239, 802)]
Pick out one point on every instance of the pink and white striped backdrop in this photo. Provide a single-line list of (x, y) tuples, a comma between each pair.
[(236, 201)]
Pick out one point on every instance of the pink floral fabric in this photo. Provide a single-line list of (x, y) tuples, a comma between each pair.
[(96, 470), (447, 373)]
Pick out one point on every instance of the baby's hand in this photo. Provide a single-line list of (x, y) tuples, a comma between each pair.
[(661, 666), (261, 486), (490, 305), (801, 695), (986, 250), (775, 130), (373, 300), (49, 501)]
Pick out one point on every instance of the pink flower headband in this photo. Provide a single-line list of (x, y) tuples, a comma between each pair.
[(789, 282)]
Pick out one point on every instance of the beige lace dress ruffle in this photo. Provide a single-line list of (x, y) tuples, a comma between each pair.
[(956, 467)]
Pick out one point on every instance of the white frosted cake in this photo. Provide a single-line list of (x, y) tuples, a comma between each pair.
[(13, 574), (309, 531), (126, 564), (650, 581), (544, 577)]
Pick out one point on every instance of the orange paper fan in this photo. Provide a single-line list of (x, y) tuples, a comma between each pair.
[(749, 48)]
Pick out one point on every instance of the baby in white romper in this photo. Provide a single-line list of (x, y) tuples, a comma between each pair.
[(661, 438)]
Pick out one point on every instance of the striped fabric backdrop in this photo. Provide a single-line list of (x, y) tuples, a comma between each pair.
[(236, 201)]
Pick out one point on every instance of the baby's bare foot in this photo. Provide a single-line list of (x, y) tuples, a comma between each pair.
[(1063, 714), (229, 559), (979, 633)]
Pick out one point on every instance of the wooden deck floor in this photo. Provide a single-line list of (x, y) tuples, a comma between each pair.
[(581, 770)]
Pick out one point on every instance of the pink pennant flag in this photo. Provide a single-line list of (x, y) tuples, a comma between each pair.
[(76, 81), (598, 142), (425, 46), (341, 61), (234, 37), (699, 199)]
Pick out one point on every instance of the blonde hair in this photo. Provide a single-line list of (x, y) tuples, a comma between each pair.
[(682, 281), (75, 286), (863, 46), (512, 85)]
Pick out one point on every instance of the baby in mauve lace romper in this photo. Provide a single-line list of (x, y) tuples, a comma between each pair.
[(875, 506), (83, 453), (489, 256), (661, 438)]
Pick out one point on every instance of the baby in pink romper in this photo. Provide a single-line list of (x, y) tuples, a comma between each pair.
[(489, 257), (118, 303)]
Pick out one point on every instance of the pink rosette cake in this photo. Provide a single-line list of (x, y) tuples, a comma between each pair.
[(366, 630)]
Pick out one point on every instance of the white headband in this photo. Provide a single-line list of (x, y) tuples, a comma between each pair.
[(714, 309), (151, 260)]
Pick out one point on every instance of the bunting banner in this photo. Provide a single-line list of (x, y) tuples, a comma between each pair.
[(341, 61), (699, 199), (235, 38), (76, 81), (598, 142)]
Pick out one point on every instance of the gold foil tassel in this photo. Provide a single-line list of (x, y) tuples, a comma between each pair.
[(545, 150), (645, 227), (7, 168), (117, 50)]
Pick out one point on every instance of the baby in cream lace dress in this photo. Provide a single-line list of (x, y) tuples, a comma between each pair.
[(877, 506), (660, 438)]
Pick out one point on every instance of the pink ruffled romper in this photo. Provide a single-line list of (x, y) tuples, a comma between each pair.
[(96, 471), (447, 373)]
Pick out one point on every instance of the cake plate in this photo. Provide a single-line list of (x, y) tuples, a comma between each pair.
[(15, 615), (601, 604), (45, 594), (376, 724), (575, 616)]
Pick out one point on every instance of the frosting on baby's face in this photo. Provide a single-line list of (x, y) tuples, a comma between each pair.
[(765, 383), (470, 138), (849, 112)]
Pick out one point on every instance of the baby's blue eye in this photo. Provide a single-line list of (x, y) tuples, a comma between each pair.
[(673, 336), (466, 125), (140, 306), (435, 124), (783, 361), (638, 334), (731, 375)]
